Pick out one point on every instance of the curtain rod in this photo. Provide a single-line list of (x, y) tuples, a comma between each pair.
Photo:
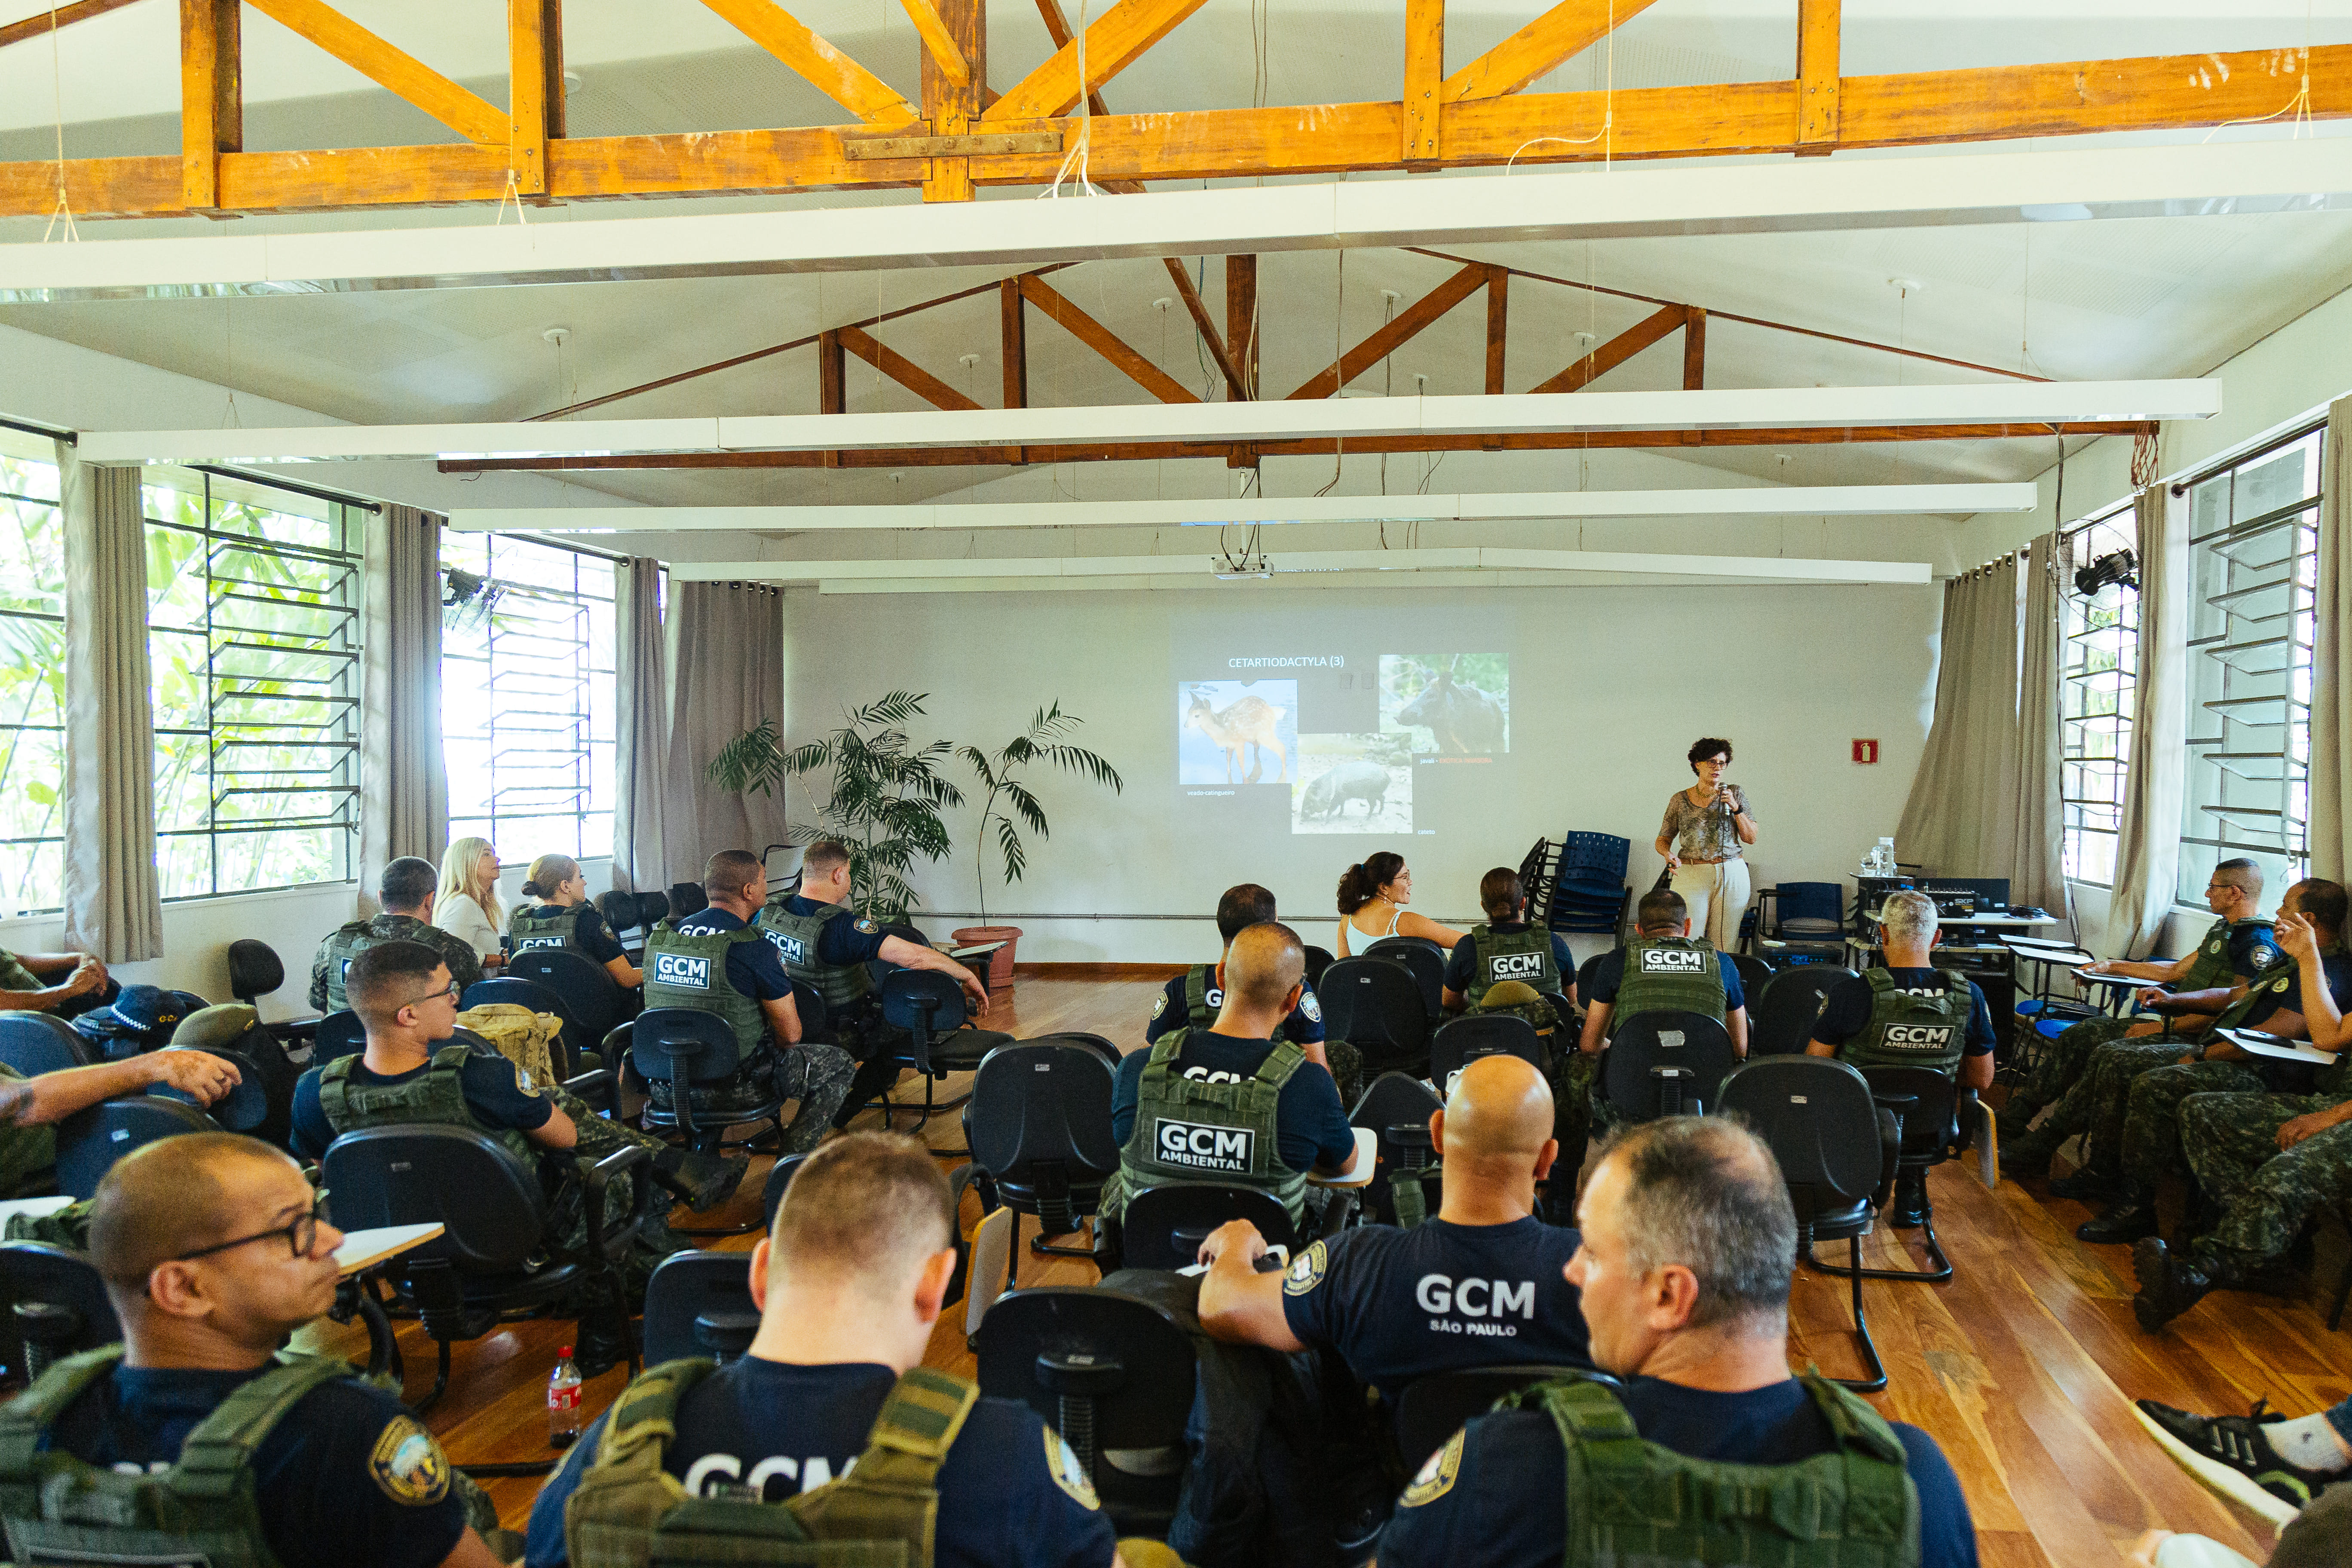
[(334, 497), (34, 427)]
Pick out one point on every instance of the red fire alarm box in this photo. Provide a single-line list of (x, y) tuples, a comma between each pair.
[(1866, 751)]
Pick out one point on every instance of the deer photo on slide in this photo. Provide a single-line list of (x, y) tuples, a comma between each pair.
[(1253, 722)]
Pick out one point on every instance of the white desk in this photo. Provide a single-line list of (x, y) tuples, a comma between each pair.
[(364, 1249), (1987, 922)]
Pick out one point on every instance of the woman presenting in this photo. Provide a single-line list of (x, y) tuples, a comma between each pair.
[(1704, 838)]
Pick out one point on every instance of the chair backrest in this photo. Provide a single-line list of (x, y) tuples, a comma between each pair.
[(1817, 1116), (1665, 1063), (53, 1304), (35, 1043), (1394, 1101), (1594, 852), (683, 1045), (780, 1177), (1164, 1227), (1125, 1356), (243, 1107), (1375, 1005), (1318, 959), (90, 1141), (1464, 1040), (338, 1035), (1584, 974), (1080, 1039), (1923, 1102), (1780, 1020), (632, 911), (1041, 1104), (457, 1177), (700, 1303), (591, 1000), (686, 899), (1809, 902), (1424, 958), (1754, 975), (255, 970), (1432, 1408), (927, 1004)]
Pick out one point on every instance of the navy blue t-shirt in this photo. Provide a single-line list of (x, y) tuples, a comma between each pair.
[(1311, 1124), (1011, 1495), (1303, 1028), (494, 1092), (752, 967), (1846, 1011), (1401, 1304), (1504, 1506), (1462, 962), (588, 930), (845, 940), (2252, 949), (1611, 975), (2336, 967), (347, 1476)]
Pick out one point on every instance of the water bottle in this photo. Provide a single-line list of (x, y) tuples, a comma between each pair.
[(564, 1422)]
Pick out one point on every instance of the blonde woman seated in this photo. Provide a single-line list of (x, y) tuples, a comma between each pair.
[(466, 905), (1374, 894), (560, 915)]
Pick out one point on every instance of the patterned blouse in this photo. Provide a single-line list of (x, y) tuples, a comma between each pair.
[(1703, 833)]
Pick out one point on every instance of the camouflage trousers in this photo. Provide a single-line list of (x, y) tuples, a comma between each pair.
[(818, 1076), (599, 1139), (2065, 1061), (2267, 1194), (2147, 1141), (1347, 1070)]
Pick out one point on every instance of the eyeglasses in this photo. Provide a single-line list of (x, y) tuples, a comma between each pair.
[(301, 1235), (452, 991)]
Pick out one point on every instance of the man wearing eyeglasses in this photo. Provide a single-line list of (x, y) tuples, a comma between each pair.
[(190, 1441)]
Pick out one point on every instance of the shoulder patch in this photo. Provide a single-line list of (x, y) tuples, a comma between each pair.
[(1438, 1473), (1160, 1004), (1306, 1271), (1062, 1464), (1311, 1007), (408, 1464), (867, 926)]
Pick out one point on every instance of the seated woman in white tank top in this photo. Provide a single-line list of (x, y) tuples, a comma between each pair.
[(1374, 894)]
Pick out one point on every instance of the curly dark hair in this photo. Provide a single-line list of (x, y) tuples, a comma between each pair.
[(1707, 746)]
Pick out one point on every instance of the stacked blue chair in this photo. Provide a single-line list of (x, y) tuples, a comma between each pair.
[(1580, 883)]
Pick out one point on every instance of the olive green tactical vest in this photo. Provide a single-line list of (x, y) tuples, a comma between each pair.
[(353, 938), (14, 976), (629, 1512), (201, 1511), (1191, 1132), (1521, 955), (1634, 1504), (436, 1096), (551, 926), (1203, 999), (2211, 966), (795, 938), (2278, 983), (1909, 1030), (1662, 973), (691, 971)]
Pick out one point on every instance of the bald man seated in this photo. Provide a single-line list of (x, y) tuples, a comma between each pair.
[(1482, 1284), (215, 1249)]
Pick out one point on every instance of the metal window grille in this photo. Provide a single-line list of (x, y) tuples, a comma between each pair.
[(32, 686), (2253, 567), (2098, 682), (527, 697), (253, 635)]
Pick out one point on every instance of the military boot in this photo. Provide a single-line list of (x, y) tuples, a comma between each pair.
[(2015, 1120), (703, 1177), (2029, 1156), (1910, 1210), (2089, 1184), (2170, 1282), (2131, 1217)]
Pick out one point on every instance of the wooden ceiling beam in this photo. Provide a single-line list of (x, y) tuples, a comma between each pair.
[(1818, 25), (44, 23), (1560, 33), (534, 89), (1115, 41), (1608, 356), (824, 66), (1394, 334), (1199, 311), (212, 96), (945, 52), (394, 68), (1105, 342), (901, 369)]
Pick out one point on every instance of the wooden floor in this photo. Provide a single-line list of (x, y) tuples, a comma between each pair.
[(2023, 1367)]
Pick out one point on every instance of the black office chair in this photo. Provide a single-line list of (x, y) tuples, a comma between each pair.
[(1038, 1124), (57, 1305), (940, 1037), (1817, 1116), (1464, 1040), (637, 912), (1425, 959), (247, 1108), (1781, 1019), (686, 899), (1432, 1408), (771, 1194), (255, 971), (592, 1003), (35, 1043), (1754, 975), (1164, 1227), (1933, 1122), (1318, 959), (1397, 1108), (1083, 1041), (517, 992), (1664, 1063), (1584, 974), (699, 1304), (1112, 1373), (338, 1035), (91, 1140), (1376, 1005), (693, 1056), (497, 1254)]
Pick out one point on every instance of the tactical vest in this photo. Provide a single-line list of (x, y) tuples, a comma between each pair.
[(1676, 972), (795, 938), (551, 926), (2278, 983), (1913, 1031), (629, 1512), (57, 1507), (2211, 965), (14, 976), (1190, 1132), (348, 943), (436, 1096), (1634, 1502), (1521, 955), (1203, 1000), (691, 971)]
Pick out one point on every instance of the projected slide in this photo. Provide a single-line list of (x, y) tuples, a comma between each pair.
[(1353, 783), (1454, 704), (1236, 732)]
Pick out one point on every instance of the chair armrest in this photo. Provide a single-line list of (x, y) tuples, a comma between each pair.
[(1339, 1211), (601, 1088), (593, 1179)]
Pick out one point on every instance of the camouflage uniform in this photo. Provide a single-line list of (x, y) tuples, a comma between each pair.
[(465, 963), (2096, 1102), (2267, 1193), (1567, 1069), (2065, 1061), (2147, 1141)]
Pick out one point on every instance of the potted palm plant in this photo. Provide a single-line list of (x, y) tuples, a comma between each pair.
[(1007, 805)]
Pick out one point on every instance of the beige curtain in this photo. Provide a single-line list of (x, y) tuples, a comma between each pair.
[(2331, 654), (725, 674), (1961, 818), (113, 908), (404, 782), (642, 757), (2037, 864), (2147, 849)]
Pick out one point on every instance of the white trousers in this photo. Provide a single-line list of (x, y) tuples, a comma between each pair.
[(1717, 897)]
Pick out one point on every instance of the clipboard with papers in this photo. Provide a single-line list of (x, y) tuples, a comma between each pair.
[(2277, 1047)]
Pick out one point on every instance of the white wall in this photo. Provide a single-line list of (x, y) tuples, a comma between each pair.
[(1610, 686)]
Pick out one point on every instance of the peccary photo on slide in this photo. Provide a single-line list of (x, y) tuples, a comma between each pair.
[(1329, 793)]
